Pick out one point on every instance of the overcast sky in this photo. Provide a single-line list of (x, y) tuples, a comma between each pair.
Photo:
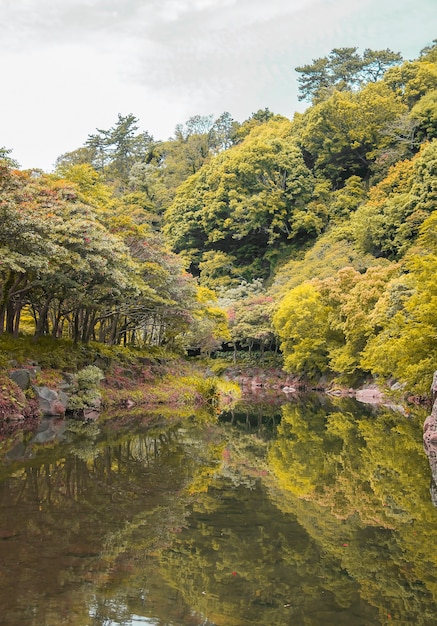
[(70, 66)]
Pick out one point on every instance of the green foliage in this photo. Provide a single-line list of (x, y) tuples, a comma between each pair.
[(297, 221), (352, 298), (6, 159), (81, 270), (388, 224), (424, 112), (324, 325), (343, 69), (341, 134), (250, 323), (300, 322), (209, 328), (412, 80), (89, 377), (406, 346), (86, 394), (249, 198), (332, 251)]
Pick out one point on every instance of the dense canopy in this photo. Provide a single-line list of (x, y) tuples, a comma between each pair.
[(316, 234)]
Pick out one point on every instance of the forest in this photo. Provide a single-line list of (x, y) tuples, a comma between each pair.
[(314, 237)]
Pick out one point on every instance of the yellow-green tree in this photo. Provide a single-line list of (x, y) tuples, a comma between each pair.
[(248, 199), (406, 347), (301, 323), (342, 134)]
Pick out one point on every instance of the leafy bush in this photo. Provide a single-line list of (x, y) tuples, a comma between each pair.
[(87, 394), (89, 377)]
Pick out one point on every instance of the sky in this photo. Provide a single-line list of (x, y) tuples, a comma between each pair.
[(69, 67)]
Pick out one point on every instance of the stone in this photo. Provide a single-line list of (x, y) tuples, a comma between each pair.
[(397, 386), (369, 395), (21, 378), (434, 387), (91, 414), (49, 430), (68, 378), (430, 440), (51, 403)]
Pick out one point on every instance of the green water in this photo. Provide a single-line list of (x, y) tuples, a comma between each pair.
[(310, 513)]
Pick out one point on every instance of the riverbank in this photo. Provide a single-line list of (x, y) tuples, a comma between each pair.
[(264, 380), (41, 379), (52, 378)]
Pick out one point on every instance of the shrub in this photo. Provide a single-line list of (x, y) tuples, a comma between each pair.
[(89, 377)]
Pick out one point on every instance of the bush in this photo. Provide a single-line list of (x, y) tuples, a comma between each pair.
[(89, 377), (87, 394)]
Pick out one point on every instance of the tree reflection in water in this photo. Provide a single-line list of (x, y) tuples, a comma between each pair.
[(314, 512)]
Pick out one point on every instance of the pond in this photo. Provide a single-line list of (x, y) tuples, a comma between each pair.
[(314, 511)]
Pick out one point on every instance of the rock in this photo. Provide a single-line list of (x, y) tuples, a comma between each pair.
[(51, 403), (91, 414), (370, 395), (63, 399), (68, 378), (21, 378), (16, 417), (434, 387), (430, 440), (338, 393), (397, 386), (49, 430)]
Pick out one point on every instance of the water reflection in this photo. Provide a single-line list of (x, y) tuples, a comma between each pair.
[(316, 512)]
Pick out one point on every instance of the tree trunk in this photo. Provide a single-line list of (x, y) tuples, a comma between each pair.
[(10, 316), (56, 322), (41, 324), (113, 333), (88, 327), (76, 325), (17, 320)]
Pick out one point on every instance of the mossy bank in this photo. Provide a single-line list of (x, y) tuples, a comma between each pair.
[(56, 378)]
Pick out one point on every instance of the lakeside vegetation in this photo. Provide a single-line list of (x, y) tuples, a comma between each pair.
[(314, 237)]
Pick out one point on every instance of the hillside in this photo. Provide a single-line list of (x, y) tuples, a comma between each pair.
[(317, 235)]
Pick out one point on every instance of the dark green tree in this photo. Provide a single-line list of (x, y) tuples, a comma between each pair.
[(343, 69)]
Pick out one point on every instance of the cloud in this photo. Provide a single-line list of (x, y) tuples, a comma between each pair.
[(69, 66)]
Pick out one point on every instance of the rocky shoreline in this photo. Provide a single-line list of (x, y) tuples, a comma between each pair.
[(430, 440), (255, 380)]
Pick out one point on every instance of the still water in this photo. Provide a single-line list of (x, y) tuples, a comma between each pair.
[(316, 512)]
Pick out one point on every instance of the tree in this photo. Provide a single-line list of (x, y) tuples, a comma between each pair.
[(406, 347), (245, 202), (250, 321), (424, 113), (388, 223), (412, 80), (5, 157), (210, 326), (352, 298), (343, 69), (81, 270), (259, 117), (224, 132), (114, 151), (301, 323), (332, 251), (341, 135)]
